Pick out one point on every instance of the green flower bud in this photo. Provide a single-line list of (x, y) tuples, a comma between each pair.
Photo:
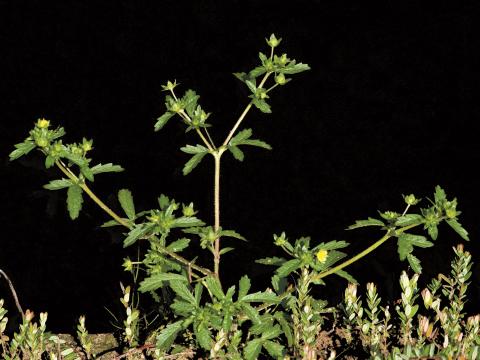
[(188, 210), (41, 141), (170, 86), (280, 79), (410, 199), (273, 41), (43, 123), (280, 240)]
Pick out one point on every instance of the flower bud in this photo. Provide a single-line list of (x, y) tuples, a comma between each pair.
[(43, 123), (280, 79)]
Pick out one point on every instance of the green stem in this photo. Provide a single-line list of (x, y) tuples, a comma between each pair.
[(121, 221), (216, 210), (367, 251)]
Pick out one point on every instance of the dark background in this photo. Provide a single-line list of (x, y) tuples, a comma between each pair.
[(389, 108)]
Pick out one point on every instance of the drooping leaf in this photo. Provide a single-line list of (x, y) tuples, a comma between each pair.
[(261, 105), (285, 325), (178, 245), (74, 201), (58, 184), (251, 85), (241, 76), (455, 225), (49, 161), (346, 275), (167, 336), (126, 202), (192, 163), (22, 149), (103, 168), (414, 263), (156, 281), (110, 223), (288, 267), (181, 289), (432, 231), (243, 286), (162, 120), (252, 349), (404, 247), (236, 152), (369, 222)]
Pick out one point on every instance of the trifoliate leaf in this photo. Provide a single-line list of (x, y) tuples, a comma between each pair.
[(167, 336), (261, 105), (414, 263), (369, 222), (181, 289), (288, 267), (346, 275), (192, 163), (191, 149), (156, 281), (103, 168), (243, 286), (178, 245), (252, 349), (58, 184), (162, 120), (409, 219), (126, 202), (236, 152), (215, 287), (22, 149), (74, 201), (455, 225)]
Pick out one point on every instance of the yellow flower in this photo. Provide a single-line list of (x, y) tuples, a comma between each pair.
[(322, 255), (43, 123)]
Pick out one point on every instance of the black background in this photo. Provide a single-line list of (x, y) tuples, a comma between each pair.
[(389, 108)]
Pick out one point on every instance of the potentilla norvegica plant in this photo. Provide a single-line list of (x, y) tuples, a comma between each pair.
[(232, 323)]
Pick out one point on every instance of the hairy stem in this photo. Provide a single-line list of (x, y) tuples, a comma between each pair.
[(14, 293), (121, 221), (216, 210)]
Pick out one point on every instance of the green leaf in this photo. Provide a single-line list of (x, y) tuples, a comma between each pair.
[(22, 149), (110, 223), (439, 195), (87, 172), (197, 149), (156, 281), (162, 120), (252, 349), (187, 221), (242, 135), (190, 101), (49, 161), (274, 349), (288, 267), (58, 184), (414, 263), (405, 247), (215, 287), (226, 250), (232, 234), (455, 225), (294, 68), (271, 261), (261, 296), (258, 143), (251, 85), (236, 152), (272, 332), (74, 201), (203, 337), (241, 76), (179, 287), (286, 327), (409, 219), (178, 245), (243, 286), (419, 241), (192, 163), (76, 159), (432, 231), (103, 168), (259, 70), (182, 308), (252, 313), (346, 275), (369, 222), (331, 245), (261, 105), (126, 202), (137, 232), (163, 201), (167, 336)]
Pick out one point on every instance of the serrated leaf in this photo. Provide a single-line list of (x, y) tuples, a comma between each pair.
[(232, 234), (241, 76), (192, 163), (272, 332), (236, 152), (87, 172), (103, 168), (156, 281), (110, 223), (182, 308), (259, 70), (74, 201), (187, 221), (409, 219), (190, 101), (331, 245), (203, 337), (414, 263), (251, 85), (294, 68), (419, 241), (432, 231), (274, 349), (261, 296), (191, 149), (261, 105), (363, 223), (215, 287), (126, 202), (134, 234), (181, 289), (258, 143), (252, 349), (404, 247), (285, 325), (76, 159), (288, 267), (347, 276), (243, 286), (162, 120), (252, 313), (241, 135), (167, 336), (163, 201), (22, 149), (49, 161), (455, 225), (58, 184), (439, 195), (178, 245), (226, 250), (271, 261)]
